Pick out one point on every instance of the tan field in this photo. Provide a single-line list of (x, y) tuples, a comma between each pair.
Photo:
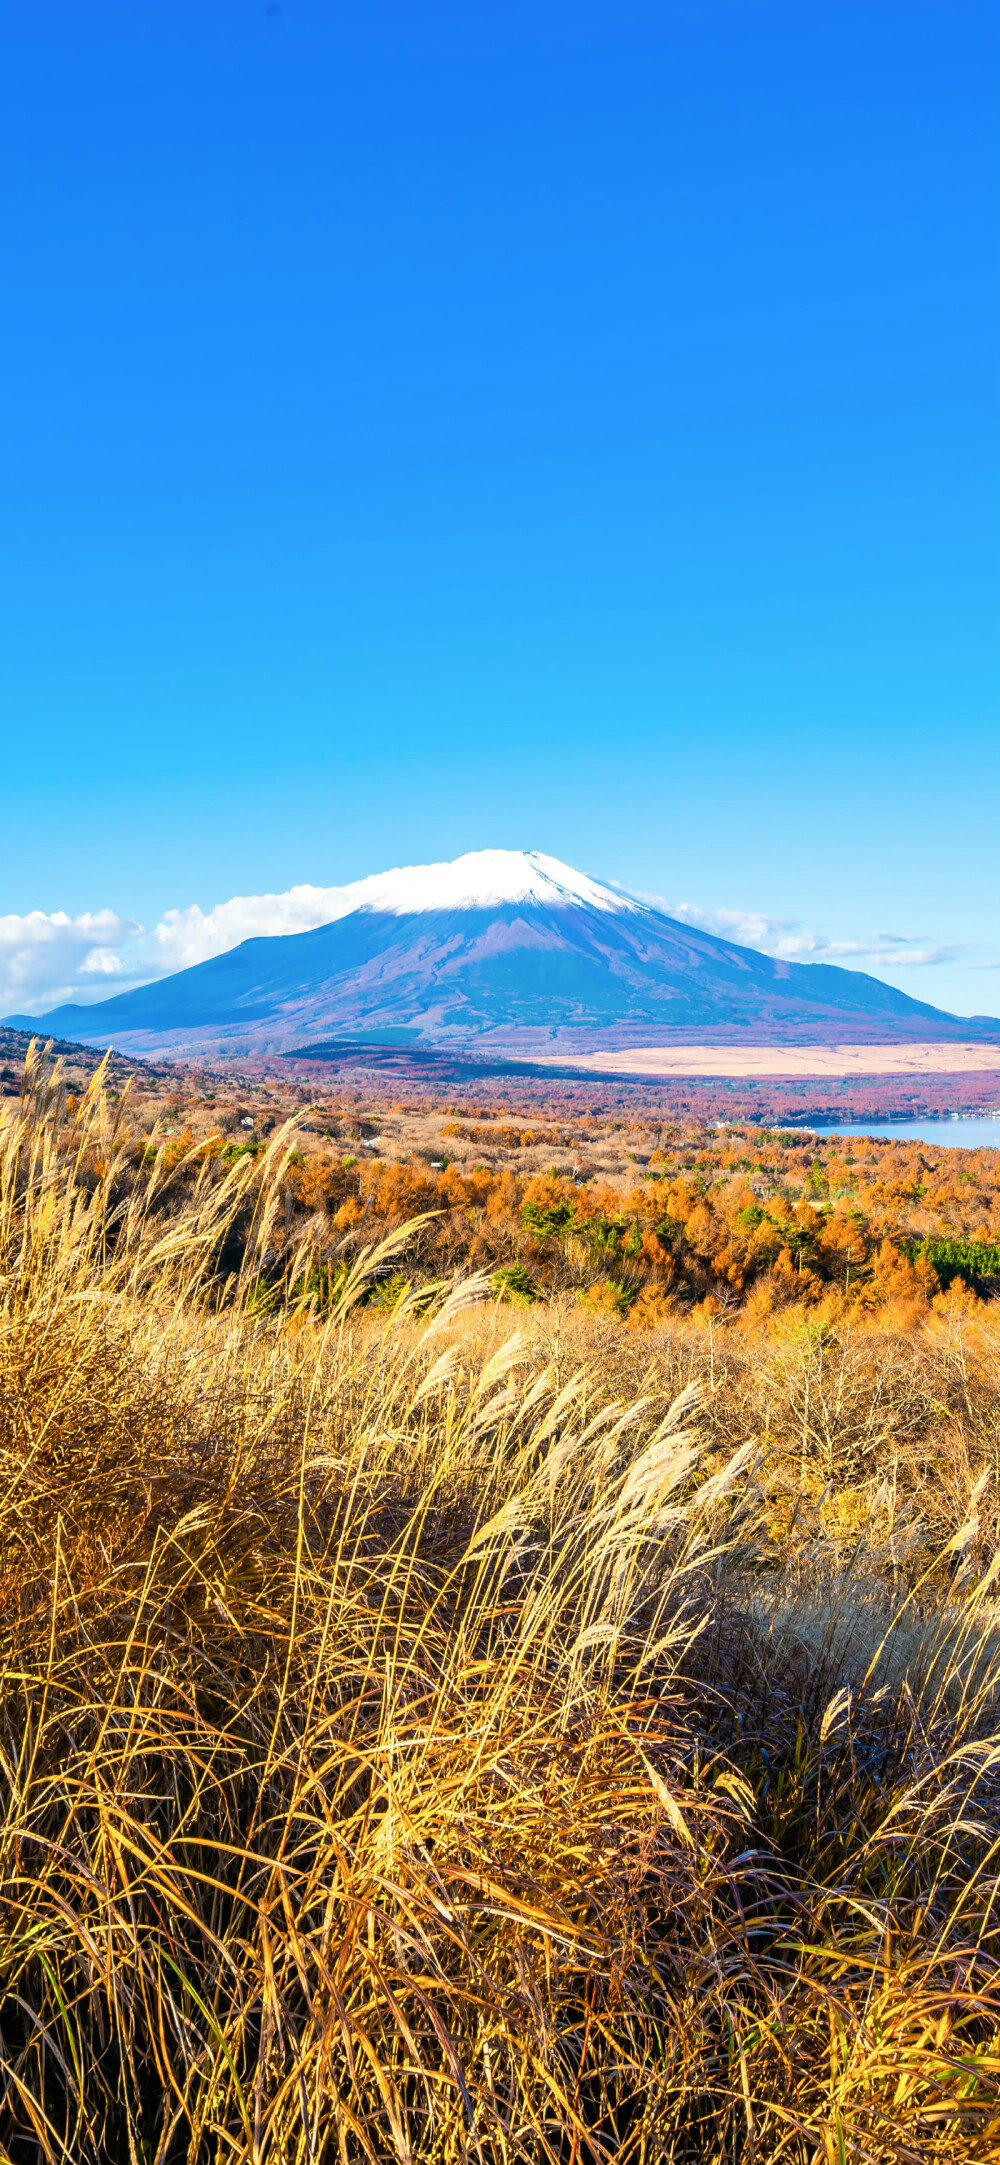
[(788, 1061)]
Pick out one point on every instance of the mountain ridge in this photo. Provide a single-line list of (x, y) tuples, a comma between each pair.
[(510, 951)]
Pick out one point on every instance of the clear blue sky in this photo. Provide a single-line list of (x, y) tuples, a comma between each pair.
[(430, 426)]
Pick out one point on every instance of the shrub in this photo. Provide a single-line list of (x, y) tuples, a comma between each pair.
[(977, 1261), (514, 1282), (611, 1296)]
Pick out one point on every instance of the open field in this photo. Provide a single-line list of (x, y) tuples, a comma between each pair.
[(793, 1060), (442, 1728), (381, 1076)]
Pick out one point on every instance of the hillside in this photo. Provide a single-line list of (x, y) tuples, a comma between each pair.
[(508, 950)]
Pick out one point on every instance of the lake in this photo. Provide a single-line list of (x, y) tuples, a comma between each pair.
[(946, 1134)]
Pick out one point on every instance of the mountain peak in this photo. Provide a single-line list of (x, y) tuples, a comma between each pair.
[(508, 949), (484, 879)]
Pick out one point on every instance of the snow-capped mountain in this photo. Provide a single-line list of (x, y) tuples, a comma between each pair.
[(507, 950), (484, 879)]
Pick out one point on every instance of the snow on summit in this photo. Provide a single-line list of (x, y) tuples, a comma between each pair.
[(483, 879)]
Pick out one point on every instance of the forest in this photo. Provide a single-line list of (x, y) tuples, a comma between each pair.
[(644, 1220)]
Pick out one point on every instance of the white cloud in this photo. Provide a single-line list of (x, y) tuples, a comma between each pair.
[(788, 941), (47, 957), (103, 962), (184, 937)]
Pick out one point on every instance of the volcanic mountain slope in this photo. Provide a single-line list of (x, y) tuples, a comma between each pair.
[(510, 951)]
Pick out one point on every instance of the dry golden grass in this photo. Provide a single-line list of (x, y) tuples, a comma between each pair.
[(414, 1748)]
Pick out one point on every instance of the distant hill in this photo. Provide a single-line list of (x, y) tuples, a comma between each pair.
[(508, 951), (14, 1043)]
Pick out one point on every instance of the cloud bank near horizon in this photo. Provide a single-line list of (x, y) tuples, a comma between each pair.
[(789, 941), (48, 958)]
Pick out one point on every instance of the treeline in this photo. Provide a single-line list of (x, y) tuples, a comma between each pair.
[(673, 1244)]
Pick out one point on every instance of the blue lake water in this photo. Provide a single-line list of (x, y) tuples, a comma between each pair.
[(946, 1134)]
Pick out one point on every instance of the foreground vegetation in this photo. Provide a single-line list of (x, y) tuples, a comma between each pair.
[(444, 1730)]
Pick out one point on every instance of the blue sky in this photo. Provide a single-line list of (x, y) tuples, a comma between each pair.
[(531, 425)]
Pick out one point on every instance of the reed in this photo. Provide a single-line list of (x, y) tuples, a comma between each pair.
[(413, 1748)]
